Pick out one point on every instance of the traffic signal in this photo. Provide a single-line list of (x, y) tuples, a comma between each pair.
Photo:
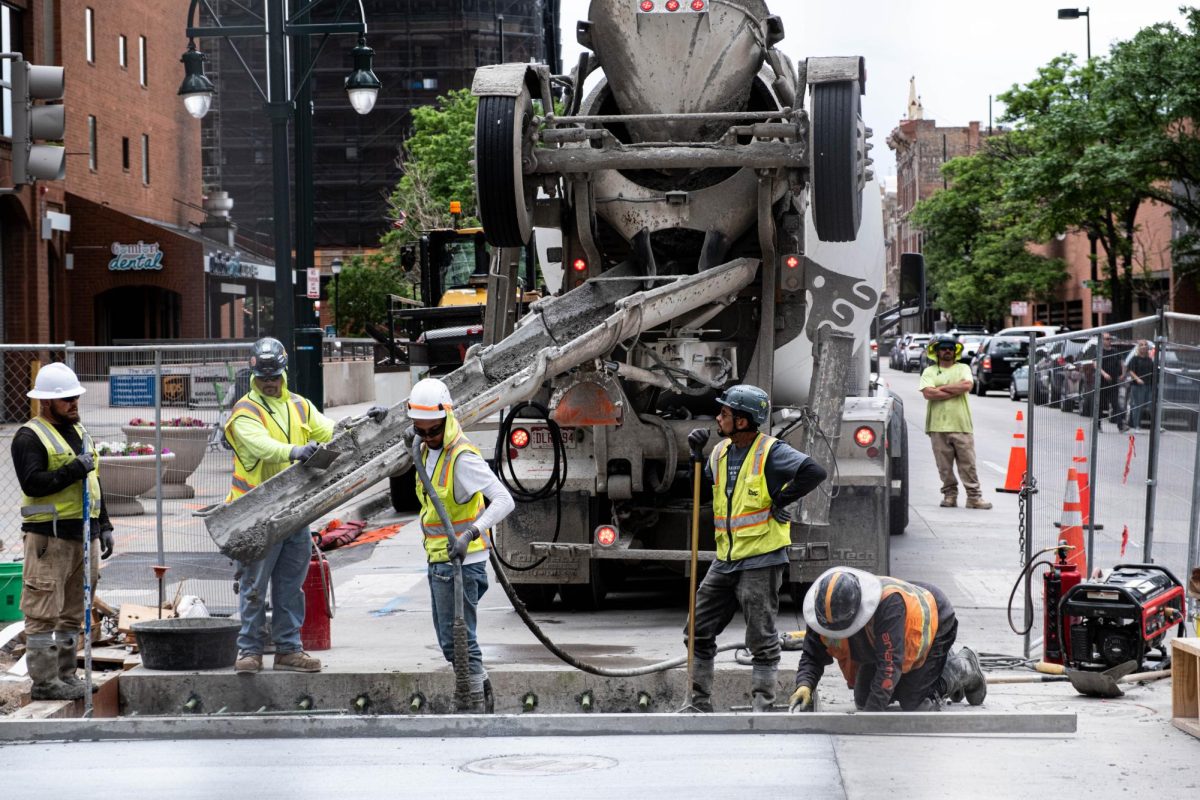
[(37, 130)]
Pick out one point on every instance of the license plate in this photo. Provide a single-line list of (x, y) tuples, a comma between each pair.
[(541, 439)]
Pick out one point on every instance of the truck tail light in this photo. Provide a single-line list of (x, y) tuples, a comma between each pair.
[(672, 5), (606, 536), (647, 5), (519, 438), (864, 436), (579, 265), (697, 5)]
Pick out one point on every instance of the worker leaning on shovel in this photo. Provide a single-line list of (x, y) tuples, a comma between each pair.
[(892, 640), (52, 456), (475, 500)]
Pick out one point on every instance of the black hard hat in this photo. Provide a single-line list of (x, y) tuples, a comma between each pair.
[(749, 399), (944, 342), (269, 358)]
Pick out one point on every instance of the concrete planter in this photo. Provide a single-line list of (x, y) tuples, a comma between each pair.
[(188, 444), (123, 478)]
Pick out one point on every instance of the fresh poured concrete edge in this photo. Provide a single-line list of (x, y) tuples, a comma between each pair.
[(421, 725)]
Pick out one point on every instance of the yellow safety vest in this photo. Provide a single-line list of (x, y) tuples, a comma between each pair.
[(462, 515), (745, 528), (920, 626), (68, 501), (247, 476)]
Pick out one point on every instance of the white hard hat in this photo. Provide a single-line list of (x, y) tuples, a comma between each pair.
[(430, 399), (56, 381), (841, 602)]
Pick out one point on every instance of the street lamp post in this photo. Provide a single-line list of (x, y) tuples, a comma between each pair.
[(1075, 13), (278, 28), (336, 267)]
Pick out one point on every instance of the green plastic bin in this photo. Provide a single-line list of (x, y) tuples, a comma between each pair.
[(10, 591)]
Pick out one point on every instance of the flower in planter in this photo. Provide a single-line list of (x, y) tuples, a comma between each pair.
[(127, 449), (174, 422)]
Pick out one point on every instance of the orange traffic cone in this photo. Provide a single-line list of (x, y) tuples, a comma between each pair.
[(1071, 527), (1016, 458), (1080, 462)]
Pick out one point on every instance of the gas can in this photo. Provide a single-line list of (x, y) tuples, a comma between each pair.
[(318, 604)]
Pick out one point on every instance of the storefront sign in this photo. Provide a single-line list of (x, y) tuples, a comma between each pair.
[(135, 256), (1101, 305), (1019, 308)]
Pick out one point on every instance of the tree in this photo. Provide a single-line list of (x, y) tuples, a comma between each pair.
[(364, 285)]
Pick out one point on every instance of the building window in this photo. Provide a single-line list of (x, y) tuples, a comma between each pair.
[(125, 153), (142, 59), (146, 158), (10, 41), (122, 51), (89, 32), (91, 143)]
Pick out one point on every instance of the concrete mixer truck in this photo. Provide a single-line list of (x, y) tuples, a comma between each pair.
[(700, 228)]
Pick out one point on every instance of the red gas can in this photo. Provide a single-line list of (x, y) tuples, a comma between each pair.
[(318, 604)]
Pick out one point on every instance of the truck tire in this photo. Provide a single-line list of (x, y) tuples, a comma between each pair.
[(586, 596), (505, 207), (838, 160), (898, 505), (536, 596), (404, 492)]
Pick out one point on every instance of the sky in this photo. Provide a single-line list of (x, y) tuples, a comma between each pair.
[(960, 52)]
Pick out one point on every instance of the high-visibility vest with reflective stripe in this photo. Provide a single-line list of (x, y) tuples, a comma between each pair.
[(462, 515), (247, 476), (745, 527), (69, 501), (920, 626)]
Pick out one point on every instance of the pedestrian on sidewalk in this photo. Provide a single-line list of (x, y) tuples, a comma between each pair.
[(269, 429), (476, 501), (1140, 373), (1112, 367), (754, 478), (945, 385), (52, 457), (891, 639)]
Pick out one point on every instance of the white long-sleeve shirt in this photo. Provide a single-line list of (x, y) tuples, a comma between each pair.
[(471, 475)]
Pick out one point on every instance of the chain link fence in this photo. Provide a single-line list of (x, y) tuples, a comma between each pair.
[(1111, 420), (156, 414)]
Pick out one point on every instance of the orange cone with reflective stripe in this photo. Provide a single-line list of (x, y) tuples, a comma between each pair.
[(1071, 526), (1080, 463), (1016, 458)]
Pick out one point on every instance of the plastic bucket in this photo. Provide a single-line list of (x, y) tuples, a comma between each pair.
[(188, 643), (10, 591)]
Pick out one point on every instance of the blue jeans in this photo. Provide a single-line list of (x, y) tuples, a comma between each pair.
[(284, 567), (1143, 395), (441, 592)]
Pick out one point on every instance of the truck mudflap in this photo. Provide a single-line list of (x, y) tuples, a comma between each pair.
[(558, 334)]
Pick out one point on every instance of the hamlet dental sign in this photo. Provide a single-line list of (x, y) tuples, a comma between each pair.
[(135, 256)]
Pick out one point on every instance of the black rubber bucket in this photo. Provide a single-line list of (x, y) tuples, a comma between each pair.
[(187, 644)]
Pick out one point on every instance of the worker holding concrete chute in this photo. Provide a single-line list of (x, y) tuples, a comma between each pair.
[(754, 477), (892, 640), (475, 500), (269, 429), (52, 456)]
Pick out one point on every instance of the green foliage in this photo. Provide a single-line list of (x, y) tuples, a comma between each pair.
[(364, 285)]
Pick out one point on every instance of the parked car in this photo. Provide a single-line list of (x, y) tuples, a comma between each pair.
[(1066, 378), (899, 347), (1086, 363), (971, 342), (1036, 330), (993, 366), (875, 356), (914, 352), (1018, 387)]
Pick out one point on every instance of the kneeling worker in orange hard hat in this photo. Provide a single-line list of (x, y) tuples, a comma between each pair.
[(892, 640)]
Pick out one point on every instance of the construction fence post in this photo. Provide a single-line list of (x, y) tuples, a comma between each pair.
[(1160, 341), (1094, 446), (1028, 481)]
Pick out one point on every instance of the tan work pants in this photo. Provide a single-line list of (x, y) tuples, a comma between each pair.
[(949, 448), (52, 594)]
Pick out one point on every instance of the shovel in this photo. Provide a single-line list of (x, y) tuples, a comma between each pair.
[(322, 458), (1104, 684)]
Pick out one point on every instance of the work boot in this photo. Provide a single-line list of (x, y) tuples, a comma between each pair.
[(949, 501), (299, 661), (978, 502), (67, 661), (963, 677), (248, 663), (763, 682), (702, 681), (489, 698), (42, 662)]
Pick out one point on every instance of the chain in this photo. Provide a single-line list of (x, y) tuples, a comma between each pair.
[(1028, 489)]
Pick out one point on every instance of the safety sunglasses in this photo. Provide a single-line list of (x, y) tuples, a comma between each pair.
[(430, 433)]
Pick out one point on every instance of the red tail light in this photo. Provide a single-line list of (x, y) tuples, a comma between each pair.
[(579, 265), (987, 362), (864, 437), (519, 438), (606, 536), (672, 5), (647, 5), (697, 5)]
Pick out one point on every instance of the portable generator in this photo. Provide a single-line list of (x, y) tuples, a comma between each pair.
[(1122, 618)]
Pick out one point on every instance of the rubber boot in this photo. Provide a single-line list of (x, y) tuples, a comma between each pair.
[(42, 660), (702, 682), (489, 697), (67, 661), (962, 677), (763, 683), (477, 701)]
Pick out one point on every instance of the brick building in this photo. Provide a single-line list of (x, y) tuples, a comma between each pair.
[(113, 251)]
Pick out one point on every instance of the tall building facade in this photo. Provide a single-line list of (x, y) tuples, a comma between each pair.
[(423, 49)]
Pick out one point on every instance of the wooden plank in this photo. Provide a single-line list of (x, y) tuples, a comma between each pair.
[(1185, 684), (1188, 726)]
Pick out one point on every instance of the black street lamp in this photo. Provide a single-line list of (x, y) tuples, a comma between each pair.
[(1075, 13), (336, 267), (279, 29)]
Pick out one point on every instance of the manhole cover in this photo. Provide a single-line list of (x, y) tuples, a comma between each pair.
[(1092, 707), (539, 765)]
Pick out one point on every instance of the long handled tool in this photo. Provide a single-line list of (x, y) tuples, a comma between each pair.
[(691, 644), (87, 595), (462, 681)]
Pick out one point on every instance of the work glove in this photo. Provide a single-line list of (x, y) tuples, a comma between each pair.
[(106, 544), (781, 515), (410, 435), (456, 546), (801, 699), (377, 413), (304, 452), (87, 460), (696, 441)]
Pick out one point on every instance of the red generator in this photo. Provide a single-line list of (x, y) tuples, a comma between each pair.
[(318, 604), (1122, 618)]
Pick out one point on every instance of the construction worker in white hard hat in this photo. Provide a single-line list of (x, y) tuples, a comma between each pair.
[(53, 456), (475, 500), (892, 640)]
